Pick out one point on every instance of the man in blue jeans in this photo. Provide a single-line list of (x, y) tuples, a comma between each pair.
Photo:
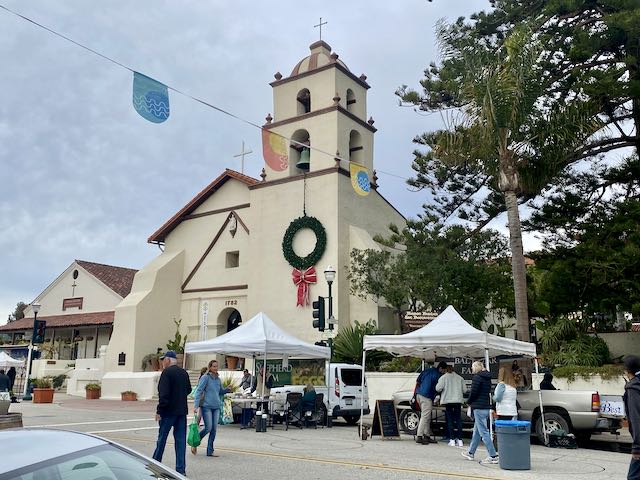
[(173, 388), (632, 407)]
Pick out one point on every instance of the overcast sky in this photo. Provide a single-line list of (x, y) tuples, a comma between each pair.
[(85, 177)]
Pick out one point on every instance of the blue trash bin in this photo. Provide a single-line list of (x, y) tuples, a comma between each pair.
[(514, 444)]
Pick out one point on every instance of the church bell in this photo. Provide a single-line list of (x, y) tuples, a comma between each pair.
[(303, 163)]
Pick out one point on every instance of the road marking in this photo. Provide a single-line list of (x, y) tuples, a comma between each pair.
[(343, 463), (92, 423), (124, 430)]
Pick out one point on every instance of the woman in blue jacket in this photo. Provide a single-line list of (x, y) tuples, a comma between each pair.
[(207, 403)]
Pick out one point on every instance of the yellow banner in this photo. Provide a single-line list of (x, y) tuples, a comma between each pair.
[(360, 179)]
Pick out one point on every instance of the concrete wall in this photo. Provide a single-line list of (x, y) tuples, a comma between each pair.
[(622, 343), (614, 386), (382, 385)]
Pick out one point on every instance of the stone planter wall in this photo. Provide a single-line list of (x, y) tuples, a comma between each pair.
[(614, 386)]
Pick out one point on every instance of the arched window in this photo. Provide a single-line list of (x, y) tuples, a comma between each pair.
[(299, 153), (304, 101), (356, 150), (351, 101)]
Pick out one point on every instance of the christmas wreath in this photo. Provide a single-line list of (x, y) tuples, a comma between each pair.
[(302, 263)]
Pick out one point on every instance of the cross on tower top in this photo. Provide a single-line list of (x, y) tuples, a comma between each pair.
[(320, 25)]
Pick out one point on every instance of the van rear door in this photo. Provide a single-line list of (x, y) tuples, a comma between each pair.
[(349, 387)]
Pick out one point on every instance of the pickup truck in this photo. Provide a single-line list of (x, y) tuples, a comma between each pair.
[(342, 392), (576, 412)]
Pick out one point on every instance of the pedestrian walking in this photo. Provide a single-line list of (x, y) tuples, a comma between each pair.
[(207, 404), (425, 394), (480, 403), (5, 381), (12, 377), (506, 395), (632, 407), (173, 388), (452, 389)]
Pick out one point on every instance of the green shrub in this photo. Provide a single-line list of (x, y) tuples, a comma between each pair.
[(401, 364), (44, 382), (606, 372), (92, 386)]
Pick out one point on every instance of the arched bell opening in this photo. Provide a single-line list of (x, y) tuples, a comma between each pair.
[(303, 101), (299, 151), (356, 150), (351, 101)]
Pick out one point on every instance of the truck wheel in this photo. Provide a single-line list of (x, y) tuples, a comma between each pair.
[(409, 421), (552, 421), (351, 419)]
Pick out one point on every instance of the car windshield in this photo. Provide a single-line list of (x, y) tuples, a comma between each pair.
[(352, 377), (100, 463)]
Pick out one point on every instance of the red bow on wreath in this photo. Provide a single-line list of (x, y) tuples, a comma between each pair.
[(302, 280)]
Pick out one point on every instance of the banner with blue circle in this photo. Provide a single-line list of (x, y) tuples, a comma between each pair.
[(360, 179), (150, 98)]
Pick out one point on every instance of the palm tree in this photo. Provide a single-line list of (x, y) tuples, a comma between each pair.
[(510, 130)]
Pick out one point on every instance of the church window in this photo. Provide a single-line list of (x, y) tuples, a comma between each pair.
[(232, 259), (351, 100), (356, 150), (304, 101)]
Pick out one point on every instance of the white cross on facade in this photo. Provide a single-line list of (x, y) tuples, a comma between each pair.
[(242, 154), (320, 25)]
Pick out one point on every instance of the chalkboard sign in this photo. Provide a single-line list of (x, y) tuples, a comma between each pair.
[(385, 420)]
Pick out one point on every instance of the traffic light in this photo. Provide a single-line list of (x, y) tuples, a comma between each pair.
[(318, 314), (39, 328)]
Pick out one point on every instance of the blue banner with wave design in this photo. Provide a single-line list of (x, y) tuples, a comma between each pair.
[(150, 98)]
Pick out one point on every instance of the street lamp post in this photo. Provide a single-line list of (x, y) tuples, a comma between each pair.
[(26, 395), (330, 276)]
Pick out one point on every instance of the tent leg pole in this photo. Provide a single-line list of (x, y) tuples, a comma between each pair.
[(364, 357), (488, 367), (544, 430)]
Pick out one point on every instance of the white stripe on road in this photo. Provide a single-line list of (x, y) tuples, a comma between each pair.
[(124, 430), (93, 423)]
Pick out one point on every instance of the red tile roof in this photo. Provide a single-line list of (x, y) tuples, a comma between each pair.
[(118, 279), (635, 327), (72, 320), (159, 235)]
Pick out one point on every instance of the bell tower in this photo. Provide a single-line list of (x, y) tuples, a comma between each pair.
[(321, 109)]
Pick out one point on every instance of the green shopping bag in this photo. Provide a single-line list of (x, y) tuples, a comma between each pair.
[(193, 437)]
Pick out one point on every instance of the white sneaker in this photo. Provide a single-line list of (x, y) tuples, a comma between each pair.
[(459, 443), (495, 459), (452, 443), (467, 455)]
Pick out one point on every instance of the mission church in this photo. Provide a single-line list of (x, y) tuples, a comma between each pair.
[(234, 250)]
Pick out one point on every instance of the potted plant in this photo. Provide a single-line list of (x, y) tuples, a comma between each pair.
[(43, 391), (92, 391), (232, 362), (152, 361), (129, 396), (5, 402), (178, 342)]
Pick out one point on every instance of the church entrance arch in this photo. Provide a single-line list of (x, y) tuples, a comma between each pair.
[(229, 319)]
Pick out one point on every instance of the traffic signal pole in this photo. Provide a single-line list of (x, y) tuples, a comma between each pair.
[(25, 391)]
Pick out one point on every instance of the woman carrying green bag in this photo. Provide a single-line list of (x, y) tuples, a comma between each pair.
[(207, 403)]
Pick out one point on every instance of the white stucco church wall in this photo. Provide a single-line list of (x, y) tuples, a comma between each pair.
[(223, 251)]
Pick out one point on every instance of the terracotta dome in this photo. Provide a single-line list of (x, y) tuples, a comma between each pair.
[(320, 56)]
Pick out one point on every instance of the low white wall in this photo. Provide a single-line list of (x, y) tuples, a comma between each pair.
[(614, 386), (382, 385), (88, 370), (51, 368), (145, 384)]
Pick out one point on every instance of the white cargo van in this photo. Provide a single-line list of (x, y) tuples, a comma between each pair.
[(344, 388)]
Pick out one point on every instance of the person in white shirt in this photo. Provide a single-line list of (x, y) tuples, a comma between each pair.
[(505, 395), (451, 387)]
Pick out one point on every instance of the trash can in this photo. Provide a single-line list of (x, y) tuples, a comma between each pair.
[(514, 444), (261, 422)]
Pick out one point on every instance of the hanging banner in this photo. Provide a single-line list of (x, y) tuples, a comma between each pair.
[(359, 179), (150, 98), (274, 151)]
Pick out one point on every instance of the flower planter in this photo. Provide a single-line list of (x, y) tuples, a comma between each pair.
[(232, 363), (129, 397), (43, 395), (92, 394)]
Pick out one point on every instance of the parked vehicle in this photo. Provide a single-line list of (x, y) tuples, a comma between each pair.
[(56, 454), (576, 412), (342, 392)]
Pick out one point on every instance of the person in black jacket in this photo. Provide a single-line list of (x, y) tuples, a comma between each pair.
[(631, 400), (546, 384), (5, 382), (480, 402), (173, 388), (12, 377)]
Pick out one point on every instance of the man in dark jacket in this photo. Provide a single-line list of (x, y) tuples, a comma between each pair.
[(632, 407), (5, 382), (425, 394), (173, 388), (480, 403)]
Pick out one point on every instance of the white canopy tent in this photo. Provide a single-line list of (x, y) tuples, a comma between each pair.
[(7, 361), (259, 338), (449, 335)]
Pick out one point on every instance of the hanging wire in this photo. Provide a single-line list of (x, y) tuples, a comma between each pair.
[(180, 92)]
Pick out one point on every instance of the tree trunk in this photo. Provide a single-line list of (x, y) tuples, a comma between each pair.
[(517, 266)]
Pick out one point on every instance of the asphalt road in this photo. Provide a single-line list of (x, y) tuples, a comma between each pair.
[(307, 454)]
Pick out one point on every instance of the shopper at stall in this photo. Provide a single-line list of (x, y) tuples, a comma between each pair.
[(451, 387), (426, 393), (505, 395)]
